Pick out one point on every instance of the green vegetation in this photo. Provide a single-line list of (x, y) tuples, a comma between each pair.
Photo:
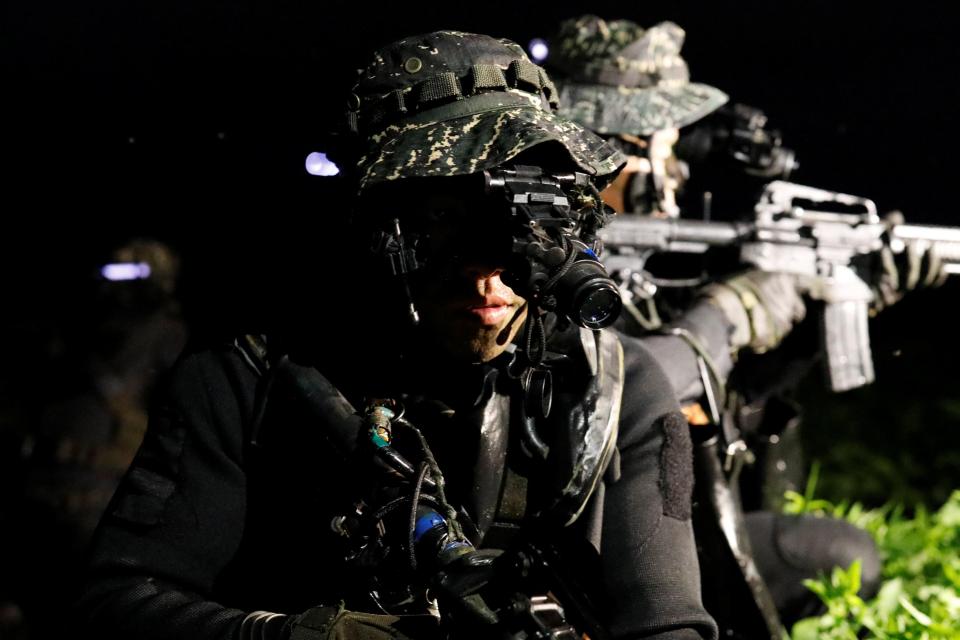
[(920, 595)]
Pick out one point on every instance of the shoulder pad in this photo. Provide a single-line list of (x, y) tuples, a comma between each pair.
[(592, 425)]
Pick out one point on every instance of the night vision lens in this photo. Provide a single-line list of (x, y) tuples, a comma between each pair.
[(593, 298), (600, 306)]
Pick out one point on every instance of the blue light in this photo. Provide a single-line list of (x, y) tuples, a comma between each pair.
[(538, 50), (319, 165), (121, 271)]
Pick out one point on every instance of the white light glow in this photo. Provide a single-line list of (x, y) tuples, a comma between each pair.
[(119, 271), (539, 49), (319, 165)]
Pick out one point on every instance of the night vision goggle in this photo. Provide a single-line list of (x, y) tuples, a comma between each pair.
[(555, 254), (554, 249)]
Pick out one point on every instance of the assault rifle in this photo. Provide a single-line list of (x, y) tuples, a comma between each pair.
[(820, 236)]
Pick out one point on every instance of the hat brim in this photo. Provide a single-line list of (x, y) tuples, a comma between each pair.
[(611, 110), (477, 134)]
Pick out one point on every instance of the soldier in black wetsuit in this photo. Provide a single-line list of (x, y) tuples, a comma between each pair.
[(473, 390), (80, 419), (630, 85)]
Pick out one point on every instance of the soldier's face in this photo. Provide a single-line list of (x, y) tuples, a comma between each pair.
[(465, 307), (648, 184)]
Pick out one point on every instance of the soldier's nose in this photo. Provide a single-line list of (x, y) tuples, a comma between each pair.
[(477, 271)]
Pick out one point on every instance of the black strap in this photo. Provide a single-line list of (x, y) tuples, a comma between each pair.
[(253, 349)]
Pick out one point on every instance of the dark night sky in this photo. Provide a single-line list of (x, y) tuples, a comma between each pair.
[(866, 97), (140, 116), (120, 109)]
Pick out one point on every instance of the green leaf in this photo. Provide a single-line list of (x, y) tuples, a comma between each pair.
[(812, 480), (888, 598), (806, 629), (853, 577), (918, 615)]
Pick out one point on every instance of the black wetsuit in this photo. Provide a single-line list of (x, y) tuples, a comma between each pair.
[(787, 549), (207, 527)]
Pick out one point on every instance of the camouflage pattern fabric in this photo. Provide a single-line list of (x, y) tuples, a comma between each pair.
[(451, 103), (621, 79), (338, 623)]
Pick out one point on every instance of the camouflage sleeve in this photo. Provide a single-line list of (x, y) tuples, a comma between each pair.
[(177, 518), (650, 563)]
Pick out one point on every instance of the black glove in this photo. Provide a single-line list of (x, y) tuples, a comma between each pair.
[(458, 586), (915, 265)]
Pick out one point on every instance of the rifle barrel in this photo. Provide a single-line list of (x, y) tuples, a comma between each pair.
[(645, 232), (945, 239)]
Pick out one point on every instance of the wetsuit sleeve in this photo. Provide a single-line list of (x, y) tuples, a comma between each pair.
[(177, 518), (679, 360), (650, 562)]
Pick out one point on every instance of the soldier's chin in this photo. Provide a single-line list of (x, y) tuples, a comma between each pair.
[(488, 349), (476, 347)]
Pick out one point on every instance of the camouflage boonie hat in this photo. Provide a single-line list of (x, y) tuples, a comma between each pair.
[(451, 103), (618, 78)]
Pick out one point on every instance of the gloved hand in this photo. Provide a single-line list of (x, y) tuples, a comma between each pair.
[(917, 265), (458, 585), (761, 306), (338, 623)]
